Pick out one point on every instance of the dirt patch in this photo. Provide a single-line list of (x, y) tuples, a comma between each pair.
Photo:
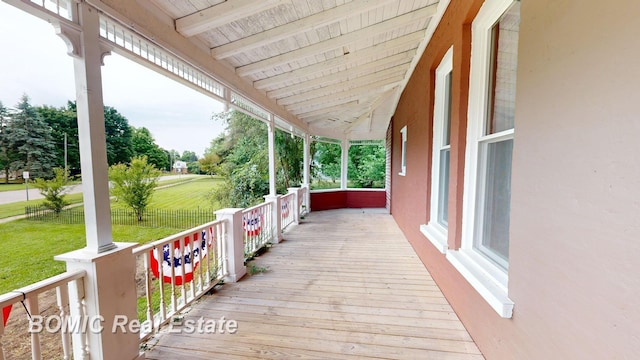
[(17, 339)]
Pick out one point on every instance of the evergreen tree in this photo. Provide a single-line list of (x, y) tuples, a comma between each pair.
[(119, 137), (5, 150), (63, 121), (30, 138)]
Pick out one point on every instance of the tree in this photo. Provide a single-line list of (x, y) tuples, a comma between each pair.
[(54, 190), (31, 141), (189, 156), (209, 163), (193, 167), (245, 161), (134, 184), (63, 121), (143, 144), (290, 151), (328, 157), (5, 141), (118, 136), (367, 165)]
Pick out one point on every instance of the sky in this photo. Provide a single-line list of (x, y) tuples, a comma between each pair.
[(34, 60)]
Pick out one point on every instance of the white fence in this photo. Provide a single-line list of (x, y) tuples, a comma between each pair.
[(178, 270)]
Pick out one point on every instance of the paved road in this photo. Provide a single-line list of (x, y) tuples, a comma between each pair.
[(7, 197)]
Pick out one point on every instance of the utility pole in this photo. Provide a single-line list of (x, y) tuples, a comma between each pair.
[(66, 166)]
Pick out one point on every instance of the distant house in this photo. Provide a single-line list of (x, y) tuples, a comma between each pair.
[(180, 167)]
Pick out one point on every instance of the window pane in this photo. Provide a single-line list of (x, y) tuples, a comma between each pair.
[(443, 191), (497, 196), (502, 77), (447, 111)]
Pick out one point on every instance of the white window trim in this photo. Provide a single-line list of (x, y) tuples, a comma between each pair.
[(434, 231), (487, 278), (403, 149)]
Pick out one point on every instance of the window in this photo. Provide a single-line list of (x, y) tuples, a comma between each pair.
[(403, 170), (483, 258), (437, 228)]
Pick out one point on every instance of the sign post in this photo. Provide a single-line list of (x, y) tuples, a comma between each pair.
[(25, 176)]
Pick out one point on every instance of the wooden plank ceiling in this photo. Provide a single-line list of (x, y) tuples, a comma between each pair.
[(337, 65)]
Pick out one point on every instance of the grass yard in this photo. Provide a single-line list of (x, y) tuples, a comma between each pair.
[(190, 195), (31, 246), (12, 187), (17, 208)]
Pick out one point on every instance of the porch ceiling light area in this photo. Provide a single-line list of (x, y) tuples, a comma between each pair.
[(313, 60)]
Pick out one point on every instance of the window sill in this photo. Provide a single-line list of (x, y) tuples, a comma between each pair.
[(485, 278), (437, 235)]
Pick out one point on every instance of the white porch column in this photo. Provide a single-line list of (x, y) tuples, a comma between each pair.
[(344, 168), (276, 216), (234, 243), (87, 63), (272, 155), (294, 207), (109, 287), (306, 182)]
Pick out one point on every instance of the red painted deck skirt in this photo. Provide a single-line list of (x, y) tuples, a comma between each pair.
[(344, 199)]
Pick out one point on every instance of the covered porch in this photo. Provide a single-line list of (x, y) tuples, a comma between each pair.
[(343, 284)]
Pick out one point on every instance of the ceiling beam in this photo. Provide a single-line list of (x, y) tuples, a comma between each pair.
[(403, 43), (348, 74), (369, 114), (218, 15), (332, 103), (344, 85), (370, 89), (308, 23), (327, 110), (339, 41)]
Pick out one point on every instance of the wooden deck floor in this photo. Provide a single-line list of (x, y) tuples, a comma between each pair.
[(343, 285)]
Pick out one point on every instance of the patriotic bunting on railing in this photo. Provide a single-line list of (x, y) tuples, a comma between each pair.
[(252, 222), (191, 259), (285, 208), (5, 314)]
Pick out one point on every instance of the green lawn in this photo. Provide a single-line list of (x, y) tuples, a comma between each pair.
[(30, 246), (17, 208), (190, 195), (12, 187)]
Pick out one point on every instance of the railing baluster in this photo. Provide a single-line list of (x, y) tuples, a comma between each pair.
[(183, 288), (172, 254), (163, 305), (32, 307), (192, 241), (62, 295), (147, 275)]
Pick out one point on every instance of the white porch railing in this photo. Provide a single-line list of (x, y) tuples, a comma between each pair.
[(303, 199), (170, 273), (178, 270), (258, 227), (287, 211), (70, 282)]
